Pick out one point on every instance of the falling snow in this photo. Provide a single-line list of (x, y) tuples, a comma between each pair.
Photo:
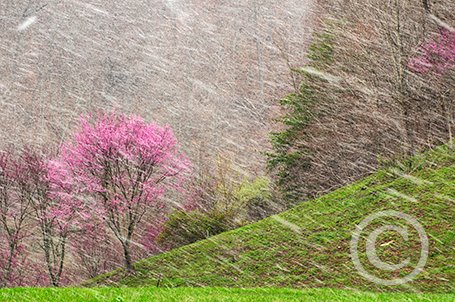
[(29, 21), (129, 128)]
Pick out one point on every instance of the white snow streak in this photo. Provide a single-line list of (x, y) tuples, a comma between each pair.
[(395, 193), (289, 224), (29, 21), (92, 7), (320, 74), (442, 23)]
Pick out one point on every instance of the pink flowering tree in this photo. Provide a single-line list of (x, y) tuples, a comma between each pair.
[(124, 165), (435, 62), (15, 210), (56, 211), (436, 55)]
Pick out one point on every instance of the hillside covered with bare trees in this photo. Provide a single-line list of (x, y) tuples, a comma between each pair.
[(212, 70)]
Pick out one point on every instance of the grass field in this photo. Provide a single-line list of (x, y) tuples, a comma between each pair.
[(207, 294), (308, 246)]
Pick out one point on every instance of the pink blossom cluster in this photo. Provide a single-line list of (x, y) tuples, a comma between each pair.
[(435, 56), (123, 159)]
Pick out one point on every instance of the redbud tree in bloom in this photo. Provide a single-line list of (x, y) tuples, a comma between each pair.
[(436, 55), (124, 165), (14, 213), (34, 200), (57, 212)]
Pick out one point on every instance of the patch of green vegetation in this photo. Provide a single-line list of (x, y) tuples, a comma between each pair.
[(187, 227), (308, 246), (207, 294), (289, 154), (227, 205), (321, 50)]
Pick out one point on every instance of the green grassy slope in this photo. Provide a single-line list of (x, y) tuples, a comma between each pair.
[(308, 246), (146, 294)]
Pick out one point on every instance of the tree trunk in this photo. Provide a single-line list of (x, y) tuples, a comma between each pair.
[(47, 256), (426, 5), (62, 259), (127, 254), (447, 112), (410, 135), (9, 265)]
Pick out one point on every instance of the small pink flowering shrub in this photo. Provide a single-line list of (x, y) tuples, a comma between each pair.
[(436, 56)]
